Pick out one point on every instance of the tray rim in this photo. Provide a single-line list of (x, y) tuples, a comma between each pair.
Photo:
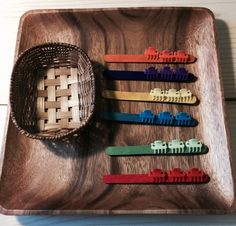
[(231, 209)]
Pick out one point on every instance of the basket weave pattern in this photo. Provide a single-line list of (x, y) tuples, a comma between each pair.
[(56, 84)]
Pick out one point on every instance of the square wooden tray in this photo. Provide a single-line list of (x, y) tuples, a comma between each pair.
[(65, 177)]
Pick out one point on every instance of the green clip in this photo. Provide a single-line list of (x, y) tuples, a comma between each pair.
[(159, 147), (176, 147), (195, 146)]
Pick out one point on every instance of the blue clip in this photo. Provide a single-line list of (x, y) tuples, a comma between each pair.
[(165, 118), (151, 73), (182, 74), (167, 74), (183, 119), (147, 116)]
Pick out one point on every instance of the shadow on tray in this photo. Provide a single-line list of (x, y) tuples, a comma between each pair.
[(226, 59)]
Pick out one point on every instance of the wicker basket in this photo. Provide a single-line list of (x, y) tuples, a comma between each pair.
[(52, 91)]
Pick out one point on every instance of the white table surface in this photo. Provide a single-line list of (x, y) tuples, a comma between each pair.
[(225, 12)]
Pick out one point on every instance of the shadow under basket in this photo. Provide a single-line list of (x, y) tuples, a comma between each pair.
[(52, 91)]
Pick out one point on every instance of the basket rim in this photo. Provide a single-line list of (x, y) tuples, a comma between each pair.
[(12, 101)]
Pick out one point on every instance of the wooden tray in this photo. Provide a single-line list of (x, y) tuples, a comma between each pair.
[(65, 177)]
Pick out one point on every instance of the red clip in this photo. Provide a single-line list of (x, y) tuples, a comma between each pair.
[(173, 176), (151, 55), (158, 175), (196, 175)]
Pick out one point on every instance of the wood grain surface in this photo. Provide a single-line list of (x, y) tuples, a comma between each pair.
[(66, 176)]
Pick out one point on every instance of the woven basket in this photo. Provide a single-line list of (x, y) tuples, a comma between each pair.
[(52, 91)]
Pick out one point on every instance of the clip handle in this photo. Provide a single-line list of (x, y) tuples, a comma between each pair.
[(159, 147), (151, 55), (173, 176), (151, 74), (148, 117), (155, 95)]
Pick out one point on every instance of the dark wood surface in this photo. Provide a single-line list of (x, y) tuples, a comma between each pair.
[(66, 176)]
